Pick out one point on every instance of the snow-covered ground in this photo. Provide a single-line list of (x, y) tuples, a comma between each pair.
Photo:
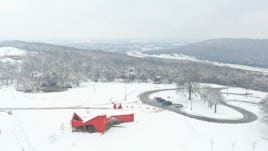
[(7, 54), (140, 54), (88, 94), (11, 51), (153, 129)]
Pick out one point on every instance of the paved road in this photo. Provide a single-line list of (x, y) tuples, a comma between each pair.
[(247, 115), (254, 103)]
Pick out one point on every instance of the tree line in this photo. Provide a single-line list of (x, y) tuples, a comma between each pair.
[(58, 67)]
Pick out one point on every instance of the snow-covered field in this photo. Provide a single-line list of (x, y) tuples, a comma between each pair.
[(7, 54), (11, 51), (153, 129), (140, 54)]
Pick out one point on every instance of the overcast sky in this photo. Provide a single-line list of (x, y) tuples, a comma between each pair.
[(132, 19)]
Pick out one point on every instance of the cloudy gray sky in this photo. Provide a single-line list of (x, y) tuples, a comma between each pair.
[(133, 19)]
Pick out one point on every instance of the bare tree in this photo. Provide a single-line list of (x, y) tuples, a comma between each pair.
[(203, 92), (212, 95), (190, 88), (215, 97), (188, 81)]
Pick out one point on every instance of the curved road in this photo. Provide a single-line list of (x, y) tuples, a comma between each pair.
[(247, 115)]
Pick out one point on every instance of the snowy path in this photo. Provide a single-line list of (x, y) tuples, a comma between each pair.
[(247, 116), (50, 108)]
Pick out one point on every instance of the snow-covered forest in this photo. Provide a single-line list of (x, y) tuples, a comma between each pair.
[(53, 68)]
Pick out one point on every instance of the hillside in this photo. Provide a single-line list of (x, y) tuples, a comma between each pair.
[(252, 52), (53, 66), (35, 46)]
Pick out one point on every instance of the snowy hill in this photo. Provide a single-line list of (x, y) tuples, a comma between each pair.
[(252, 52), (77, 65), (35, 46)]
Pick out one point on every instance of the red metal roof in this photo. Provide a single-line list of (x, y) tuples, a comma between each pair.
[(100, 122)]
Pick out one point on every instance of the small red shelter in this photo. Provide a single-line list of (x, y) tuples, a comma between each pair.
[(99, 123)]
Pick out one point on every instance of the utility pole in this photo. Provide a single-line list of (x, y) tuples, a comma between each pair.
[(190, 95), (125, 91), (190, 92), (125, 75)]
